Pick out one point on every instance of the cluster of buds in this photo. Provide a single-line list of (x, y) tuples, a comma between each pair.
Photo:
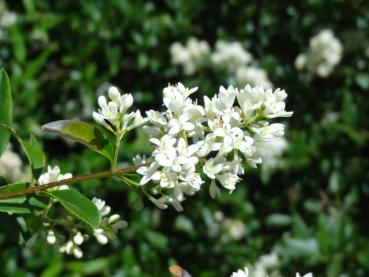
[(109, 226), (194, 142), (113, 114)]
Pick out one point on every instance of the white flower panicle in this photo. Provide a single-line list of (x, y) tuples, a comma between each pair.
[(109, 226), (189, 56), (325, 53), (193, 141), (113, 113), (230, 55), (53, 174)]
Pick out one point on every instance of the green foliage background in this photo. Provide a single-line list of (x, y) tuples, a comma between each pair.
[(313, 211)]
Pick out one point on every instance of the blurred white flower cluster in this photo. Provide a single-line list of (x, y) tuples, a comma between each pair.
[(325, 52), (252, 75), (11, 165), (109, 226), (271, 151), (189, 56), (113, 114), (215, 140), (230, 57), (227, 229), (7, 19), (266, 265)]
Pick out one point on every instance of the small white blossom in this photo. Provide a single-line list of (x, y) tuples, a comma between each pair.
[(78, 238), (189, 56), (101, 206), (325, 53), (51, 238), (53, 175)]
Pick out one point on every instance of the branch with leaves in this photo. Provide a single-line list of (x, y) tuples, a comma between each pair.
[(194, 145)]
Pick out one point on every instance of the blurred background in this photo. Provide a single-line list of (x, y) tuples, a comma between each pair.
[(305, 210)]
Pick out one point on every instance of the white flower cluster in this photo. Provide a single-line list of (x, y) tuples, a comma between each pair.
[(189, 56), (192, 141), (325, 52), (7, 19), (53, 174), (271, 151), (228, 56), (10, 165), (108, 228), (252, 75), (113, 114)]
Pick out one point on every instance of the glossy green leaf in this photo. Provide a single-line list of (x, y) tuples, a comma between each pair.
[(84, 133), (6, 108), (34, 152), (79, 205)]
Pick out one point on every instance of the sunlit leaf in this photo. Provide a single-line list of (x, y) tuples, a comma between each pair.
[(84, 133)]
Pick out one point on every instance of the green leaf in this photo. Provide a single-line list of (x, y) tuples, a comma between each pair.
[(15, 204), (79, 205), (6, 108), (34, 152), (84, 133), (13, 188)]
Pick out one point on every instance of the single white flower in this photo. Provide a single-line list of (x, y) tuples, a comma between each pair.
[(53, 175)]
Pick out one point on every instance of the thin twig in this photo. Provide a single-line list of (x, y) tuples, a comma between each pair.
[(70, 181)]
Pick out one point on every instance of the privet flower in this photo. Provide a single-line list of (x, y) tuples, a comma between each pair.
[(230, 55), (109, 224), (52, 175), (325, 52), (113, 113), (10, 165), (194, 143), (253, 76), (189, 56)]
